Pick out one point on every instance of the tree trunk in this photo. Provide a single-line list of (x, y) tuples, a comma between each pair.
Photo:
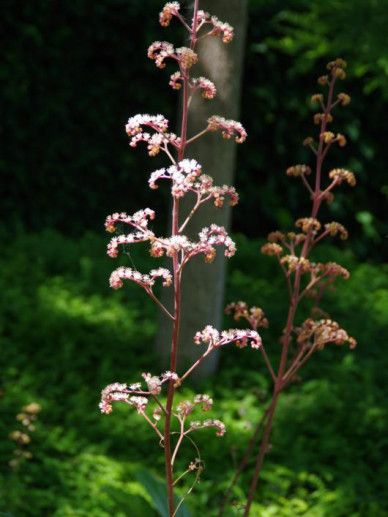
[(203, 284)]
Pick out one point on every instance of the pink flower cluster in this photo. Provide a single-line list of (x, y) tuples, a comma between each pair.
[(154, 142), (112, 393), (215, 339), (217, 424), (159, 51), (154, 382), (182, 175), (146, 281), (186, 407), (118, 392), (208, 238), (186, 177), (169, 10), (157, 122), (216, 236), (138, 220), (208, 88), (229, 128), (131, 238), (220, 28)]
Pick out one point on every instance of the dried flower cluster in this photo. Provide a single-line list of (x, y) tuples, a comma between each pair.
[(22, 436), (304, 277)]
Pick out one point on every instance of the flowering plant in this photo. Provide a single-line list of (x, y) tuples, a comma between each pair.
[(304, 277), (186, 179)]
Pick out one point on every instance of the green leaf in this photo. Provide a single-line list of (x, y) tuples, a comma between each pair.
[(157, 490)]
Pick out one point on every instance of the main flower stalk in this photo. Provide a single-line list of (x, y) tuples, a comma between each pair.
[(187, 179)]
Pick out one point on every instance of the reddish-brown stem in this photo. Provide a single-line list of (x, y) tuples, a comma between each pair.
[(177, 284), (298, 364), (243, 462), (307, 184), (195, 365), (158, 302), (198, 135), (262, 451), (286, 338), (180, 439), (268, 363), (153, 425)]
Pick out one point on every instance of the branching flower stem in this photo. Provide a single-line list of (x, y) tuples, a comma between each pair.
[(283, 375), (177, 283)]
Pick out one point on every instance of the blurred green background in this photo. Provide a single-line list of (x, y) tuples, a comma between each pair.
[(71, 74)]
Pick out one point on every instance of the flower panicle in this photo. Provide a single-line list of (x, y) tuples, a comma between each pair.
[(209, 237), (133, 394), (228, 128), (217, 424), (253, 315), (215, 339), (166, 14), (186, 176), (323, 332), (144, 280), (138, 219)]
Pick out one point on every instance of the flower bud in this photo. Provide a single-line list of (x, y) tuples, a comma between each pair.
[(344, 98)]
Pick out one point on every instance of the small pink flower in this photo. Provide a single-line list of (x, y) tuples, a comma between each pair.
[(156, 122), (138, 219), (115, 392), (159, 51), (222, 28), (140, 403), (169, 10), (176, 80), (208, 88), (229, 128), (214, 339), (146, 281)]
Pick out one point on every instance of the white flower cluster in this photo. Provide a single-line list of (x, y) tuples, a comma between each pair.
[(111, 393), (131, 238), (154, 382), (156, 122), (215, 339), (208, 238), (169, 10), (182, 175), (229, 128), (155, 141), (220, 28), (186, 176), (146, 281), (208, 88), (159, 51), (138, 219), (186, 407), (220, 426)]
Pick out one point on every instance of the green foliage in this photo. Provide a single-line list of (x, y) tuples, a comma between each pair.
[(156, 488), (64, 335)]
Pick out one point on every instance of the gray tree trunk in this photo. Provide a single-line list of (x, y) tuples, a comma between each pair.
[(203, 284)]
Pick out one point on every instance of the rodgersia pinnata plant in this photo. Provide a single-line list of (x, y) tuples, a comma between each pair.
[(175, 423), (305, 279)]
